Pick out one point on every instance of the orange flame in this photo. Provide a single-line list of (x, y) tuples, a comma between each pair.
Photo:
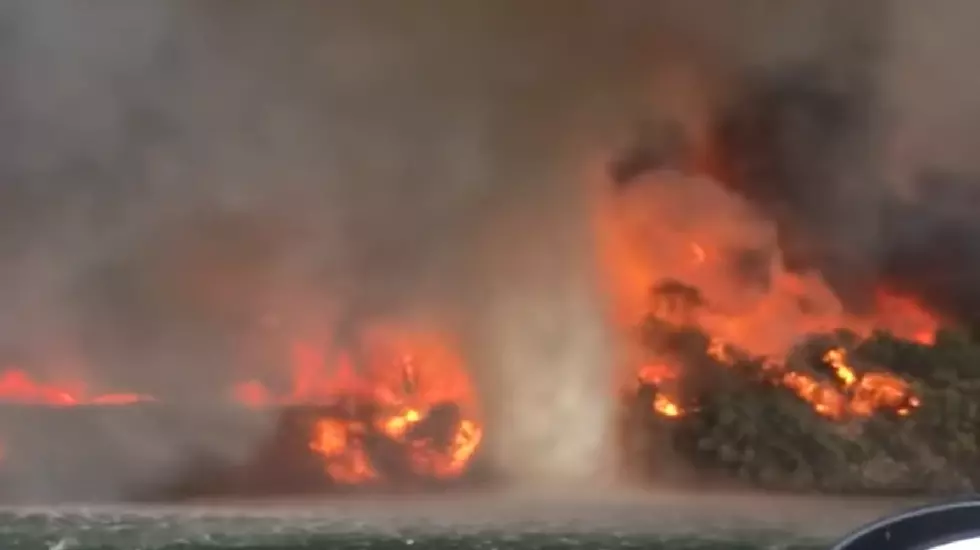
[(16, 386), (346, 460), (405, 376), (728, 280), (663, 405), (855, 395)]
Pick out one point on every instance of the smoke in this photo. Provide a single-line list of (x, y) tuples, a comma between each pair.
[(860, 153), (186, 186), (931, 128), (929, 100)]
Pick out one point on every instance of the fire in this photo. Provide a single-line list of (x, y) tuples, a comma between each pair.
[(415, 388), (687, 252), (662, 377), (825, 399), (663, 405), (396, 425), (859, 395), (836, 358), (16, 386), (346, 460), (905, 318), (408, 390), (451, 462), (656, 373), (853, 394)]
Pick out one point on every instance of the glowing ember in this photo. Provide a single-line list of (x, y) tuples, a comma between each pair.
[(864, 394), (396, 425)]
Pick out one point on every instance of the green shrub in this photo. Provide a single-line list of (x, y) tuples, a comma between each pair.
[(741, 421)]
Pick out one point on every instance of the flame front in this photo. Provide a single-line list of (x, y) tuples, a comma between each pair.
[(684, 251), (16, 386), (407, 388)]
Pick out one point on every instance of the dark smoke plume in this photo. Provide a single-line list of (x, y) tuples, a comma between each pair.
[(788, 146), (807, 142)]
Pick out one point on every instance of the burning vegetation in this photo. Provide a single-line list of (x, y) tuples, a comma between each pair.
[(748, 354), (398, 410), (765, 352)]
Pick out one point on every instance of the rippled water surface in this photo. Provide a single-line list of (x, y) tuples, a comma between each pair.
[(488, 522)]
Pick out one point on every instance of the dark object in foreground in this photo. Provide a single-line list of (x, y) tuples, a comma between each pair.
[(742, 425), (947, 525)]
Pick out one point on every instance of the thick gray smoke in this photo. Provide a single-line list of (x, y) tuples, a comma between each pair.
[(186, 184)]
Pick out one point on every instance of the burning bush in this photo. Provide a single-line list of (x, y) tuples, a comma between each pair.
[(788, 323), (910, 428), (395, 410), (752, 371), (410, 401)]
